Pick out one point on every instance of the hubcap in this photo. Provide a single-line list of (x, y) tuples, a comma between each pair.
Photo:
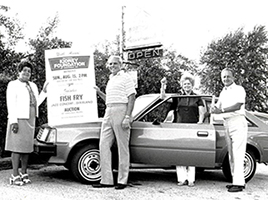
[(89, 165), (248, 165)]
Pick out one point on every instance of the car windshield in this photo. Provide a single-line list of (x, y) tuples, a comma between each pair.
[(142, 102), (262, 116)]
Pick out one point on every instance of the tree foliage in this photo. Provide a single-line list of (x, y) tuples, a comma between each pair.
[(11, 28), (149, 71), (102, 76), (246, 54), (44, 41), (10, 34), (152, 70), (8, 60)]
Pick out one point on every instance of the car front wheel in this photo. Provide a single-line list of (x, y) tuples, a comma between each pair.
[(250, 166), (85, 164)]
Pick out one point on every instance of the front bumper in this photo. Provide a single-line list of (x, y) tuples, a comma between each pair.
[(45, 149)]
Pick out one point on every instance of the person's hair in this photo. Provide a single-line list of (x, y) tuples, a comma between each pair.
[(23, 64), (189, 77), (118, 58), (229, 70)]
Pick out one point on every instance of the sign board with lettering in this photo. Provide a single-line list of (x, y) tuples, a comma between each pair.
[(71, 97), (141, 28), (145, 53)]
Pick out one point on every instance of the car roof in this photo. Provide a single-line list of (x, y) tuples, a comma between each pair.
[(168, 95)]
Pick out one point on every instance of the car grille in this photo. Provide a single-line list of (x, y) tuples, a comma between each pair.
[(40, 132)]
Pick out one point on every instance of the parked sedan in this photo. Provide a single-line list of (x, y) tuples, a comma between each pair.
[(155, 141)]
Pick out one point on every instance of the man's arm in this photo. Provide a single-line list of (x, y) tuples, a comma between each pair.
[(235, 107), (130, 104)]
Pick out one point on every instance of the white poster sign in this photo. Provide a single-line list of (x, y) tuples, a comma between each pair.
[(71, 97), (141, 29)]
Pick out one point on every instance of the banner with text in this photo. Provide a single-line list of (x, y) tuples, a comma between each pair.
[(71, 97)]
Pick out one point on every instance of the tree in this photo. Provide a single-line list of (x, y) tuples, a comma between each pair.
[(246, 54), (102, 76), (12, 29), (8, 59), (42, 42), (152, 70), (10, 34), (175, 65)]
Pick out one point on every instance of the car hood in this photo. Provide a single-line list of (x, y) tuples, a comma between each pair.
[(96, 123)]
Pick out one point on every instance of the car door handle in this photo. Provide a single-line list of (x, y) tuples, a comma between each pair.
[(202, 133)]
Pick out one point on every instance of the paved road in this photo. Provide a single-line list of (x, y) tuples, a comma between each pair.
[(53, 182)]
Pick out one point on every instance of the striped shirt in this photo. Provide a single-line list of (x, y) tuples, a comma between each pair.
[(119, 88)]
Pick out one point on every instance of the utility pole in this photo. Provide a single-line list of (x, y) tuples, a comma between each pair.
[(123, 33)]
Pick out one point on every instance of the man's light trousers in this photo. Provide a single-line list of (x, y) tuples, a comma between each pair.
[(236, 139), (112, 130)]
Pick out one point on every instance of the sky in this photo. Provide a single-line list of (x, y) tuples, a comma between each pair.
[(187, 26)]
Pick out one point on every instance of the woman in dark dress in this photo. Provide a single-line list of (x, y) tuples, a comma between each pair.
[(186, 110)]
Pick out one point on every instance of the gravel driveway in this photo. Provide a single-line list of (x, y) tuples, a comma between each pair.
[(54, 182)]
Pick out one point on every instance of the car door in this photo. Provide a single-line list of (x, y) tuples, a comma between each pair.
[(157, 141)]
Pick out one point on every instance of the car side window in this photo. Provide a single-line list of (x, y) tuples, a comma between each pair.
[(164, 113), (158, 113), (250, 123)]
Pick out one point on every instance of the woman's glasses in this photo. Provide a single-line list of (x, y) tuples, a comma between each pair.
[(113, 63)]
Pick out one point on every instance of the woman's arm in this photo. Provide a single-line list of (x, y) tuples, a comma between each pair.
[(201, 110), (163, 88), (43, 94), (11, 99), (100, 93)]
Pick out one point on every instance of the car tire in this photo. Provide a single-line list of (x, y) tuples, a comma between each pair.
[(250, 166), (85, 164)]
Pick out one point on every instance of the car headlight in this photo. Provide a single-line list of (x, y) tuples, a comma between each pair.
[(47, 135)]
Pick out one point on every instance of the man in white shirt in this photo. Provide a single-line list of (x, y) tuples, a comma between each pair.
[(231, 106), (119, 99)]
